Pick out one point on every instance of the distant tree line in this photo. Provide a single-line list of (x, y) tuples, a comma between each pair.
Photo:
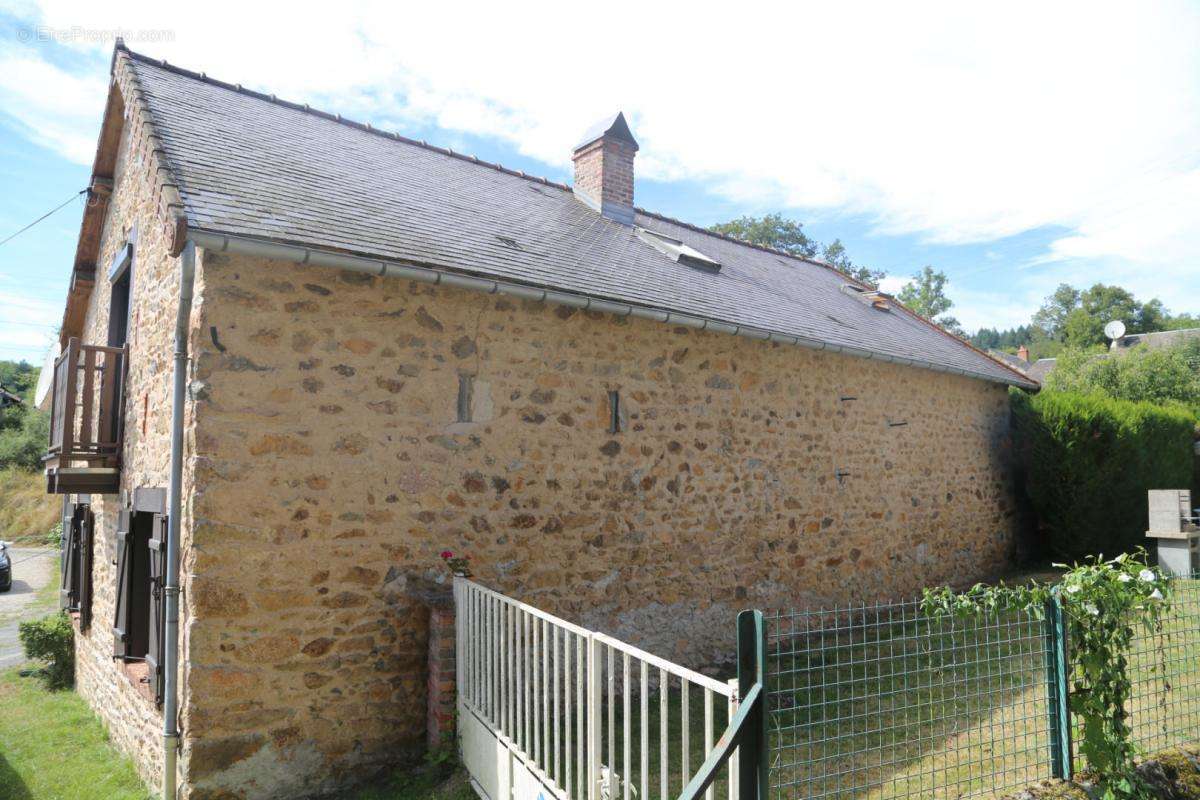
[(1069, 319), (786, 235), (1074, 319), (925, 293)]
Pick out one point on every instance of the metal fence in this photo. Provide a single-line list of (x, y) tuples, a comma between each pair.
[(885, 701), (587, 715), (1165, 668)]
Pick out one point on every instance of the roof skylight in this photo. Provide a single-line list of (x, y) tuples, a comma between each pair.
[(677, 251), (872, 297)]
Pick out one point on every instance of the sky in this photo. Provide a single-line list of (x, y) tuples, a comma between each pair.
[(1015, 145)]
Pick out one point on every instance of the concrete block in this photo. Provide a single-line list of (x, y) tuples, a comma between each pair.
[(1169, 510)]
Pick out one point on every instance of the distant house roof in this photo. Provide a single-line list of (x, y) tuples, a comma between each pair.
[(251, 166), (1155, 340), (1039, 369), (1015, 362), (7, 398)]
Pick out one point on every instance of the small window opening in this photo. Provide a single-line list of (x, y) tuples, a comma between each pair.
[(134, 586), (120, 277), (77, 525), (466, 393), (614, 411), (140, 611)]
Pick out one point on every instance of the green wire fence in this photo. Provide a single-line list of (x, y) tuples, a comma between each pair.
[(1165, 669), (886, 701)]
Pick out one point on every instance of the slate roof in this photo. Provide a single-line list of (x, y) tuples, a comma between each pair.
[(1015, 362), (1039, 369), (1155, 340), (249, 165)]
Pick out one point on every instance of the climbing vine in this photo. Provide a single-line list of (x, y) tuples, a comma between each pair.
[(1103, 603)]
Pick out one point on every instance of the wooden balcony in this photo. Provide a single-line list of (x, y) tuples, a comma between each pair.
[(86, 420)]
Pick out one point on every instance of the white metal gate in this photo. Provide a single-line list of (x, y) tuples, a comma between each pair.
[(547, 709)]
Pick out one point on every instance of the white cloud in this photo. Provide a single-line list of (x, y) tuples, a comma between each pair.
[(27, 325), (958, 123), (52, 107)]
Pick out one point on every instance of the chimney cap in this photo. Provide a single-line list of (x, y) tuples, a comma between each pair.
[(611, 128)]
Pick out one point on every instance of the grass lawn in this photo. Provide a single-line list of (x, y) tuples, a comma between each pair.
[(444, 782), (26, 512), (906, 708), (52, 747)]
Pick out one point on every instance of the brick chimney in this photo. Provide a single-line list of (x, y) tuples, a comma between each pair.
[(1023, 353), (604, 168)]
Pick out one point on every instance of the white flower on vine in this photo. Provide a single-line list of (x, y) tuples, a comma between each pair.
[(1091, 609), (1156, 595), (1124, 577), (1073, 589), (1147, 576)]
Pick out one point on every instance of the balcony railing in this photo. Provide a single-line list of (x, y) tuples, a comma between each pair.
[(86, 419)]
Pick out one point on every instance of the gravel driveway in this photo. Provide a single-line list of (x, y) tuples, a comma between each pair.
[(33, 568)]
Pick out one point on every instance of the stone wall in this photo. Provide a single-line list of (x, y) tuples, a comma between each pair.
[(332, 469), (124, 706)]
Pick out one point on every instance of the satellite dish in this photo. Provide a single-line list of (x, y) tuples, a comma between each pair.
[(1114, 329), (41, 395)]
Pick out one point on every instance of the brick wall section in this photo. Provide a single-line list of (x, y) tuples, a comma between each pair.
[(442, 683), (331, 471), (604, 171)]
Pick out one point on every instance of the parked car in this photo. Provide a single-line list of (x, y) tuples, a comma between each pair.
[(5, 568)]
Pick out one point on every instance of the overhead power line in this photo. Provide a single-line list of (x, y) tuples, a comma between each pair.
[(43, 217)]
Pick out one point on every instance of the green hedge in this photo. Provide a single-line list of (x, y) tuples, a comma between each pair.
[(1087, 462)]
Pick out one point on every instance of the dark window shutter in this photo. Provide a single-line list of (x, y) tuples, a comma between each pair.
[(121, 617), (68, 597), (87, 525), (157, 603)]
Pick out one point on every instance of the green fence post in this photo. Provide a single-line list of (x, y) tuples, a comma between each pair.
[(752, 750), (1056, 684)]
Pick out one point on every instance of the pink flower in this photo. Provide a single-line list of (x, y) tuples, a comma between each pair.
[(447, 554)]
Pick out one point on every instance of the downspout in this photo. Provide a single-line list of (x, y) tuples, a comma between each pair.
[(187, 276)]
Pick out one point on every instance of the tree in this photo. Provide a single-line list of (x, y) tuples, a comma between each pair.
[(926, 295), (1100, 305), (1077, 318), (1169, 374), (780, 233), (1051, 317), (834, 254), (1007, 340), (23, 429), (773, 230), (1178, 322)]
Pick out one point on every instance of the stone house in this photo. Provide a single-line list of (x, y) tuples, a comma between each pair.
[(386, 349)]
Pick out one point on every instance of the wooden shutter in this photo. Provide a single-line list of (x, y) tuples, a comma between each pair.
[(123, 559), (87, 525), (67, 595), (157, 604)]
